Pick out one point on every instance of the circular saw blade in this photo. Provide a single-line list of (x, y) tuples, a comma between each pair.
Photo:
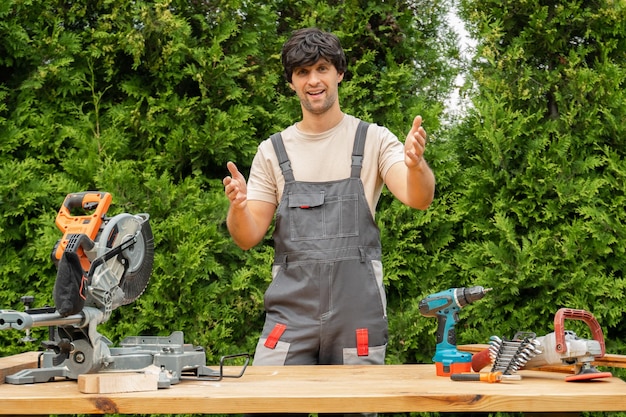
[(138, 258)]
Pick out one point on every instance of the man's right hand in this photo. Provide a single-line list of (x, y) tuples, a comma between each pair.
[(235, 187), (247, 221)]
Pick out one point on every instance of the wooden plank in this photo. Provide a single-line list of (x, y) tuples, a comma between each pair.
[(327, 389), (12, 364), (110, 383)]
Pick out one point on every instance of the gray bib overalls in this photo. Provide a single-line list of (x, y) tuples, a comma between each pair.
[(326, 303)]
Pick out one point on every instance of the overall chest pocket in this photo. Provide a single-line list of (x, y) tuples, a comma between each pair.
[(317, 215)]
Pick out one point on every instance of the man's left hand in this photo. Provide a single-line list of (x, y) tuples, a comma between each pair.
[(415, 144)]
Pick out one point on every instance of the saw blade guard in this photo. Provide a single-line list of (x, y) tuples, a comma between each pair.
[(124, 257)]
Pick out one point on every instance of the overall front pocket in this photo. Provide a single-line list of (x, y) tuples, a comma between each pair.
[(319, 216)]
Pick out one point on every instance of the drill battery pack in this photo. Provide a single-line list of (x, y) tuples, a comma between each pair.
[(452, 368)]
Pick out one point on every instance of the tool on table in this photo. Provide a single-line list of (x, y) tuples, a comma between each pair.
[(562, 347), (507, 356), (102, 263), (445, 305), (485, 377)]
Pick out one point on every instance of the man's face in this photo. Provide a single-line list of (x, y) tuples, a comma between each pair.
[(316, 86)]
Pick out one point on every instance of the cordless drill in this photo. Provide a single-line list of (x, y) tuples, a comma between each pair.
[(445, 305)]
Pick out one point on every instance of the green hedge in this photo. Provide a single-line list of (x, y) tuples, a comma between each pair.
[(148, 100)]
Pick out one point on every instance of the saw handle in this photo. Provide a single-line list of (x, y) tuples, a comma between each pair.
[(80, 230), (587, 317), (87, 224), (87, 200)]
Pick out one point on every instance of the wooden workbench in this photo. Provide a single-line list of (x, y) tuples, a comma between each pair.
[(389, 388)]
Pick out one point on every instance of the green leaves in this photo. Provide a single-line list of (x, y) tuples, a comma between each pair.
[(541, 193)]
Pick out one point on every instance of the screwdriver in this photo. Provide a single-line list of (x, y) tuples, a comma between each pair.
[(485, 377)]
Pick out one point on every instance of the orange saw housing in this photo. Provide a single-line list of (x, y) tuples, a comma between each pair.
[(75, 227)]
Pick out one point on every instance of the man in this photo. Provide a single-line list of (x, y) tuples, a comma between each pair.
[(322, 177)]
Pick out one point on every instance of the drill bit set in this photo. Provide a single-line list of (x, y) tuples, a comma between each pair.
[(509, 356)]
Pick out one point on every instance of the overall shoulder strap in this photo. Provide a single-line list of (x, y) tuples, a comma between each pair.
[(359, 146), (283, 159)]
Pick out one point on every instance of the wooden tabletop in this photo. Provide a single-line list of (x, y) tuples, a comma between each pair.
[(389, 388)]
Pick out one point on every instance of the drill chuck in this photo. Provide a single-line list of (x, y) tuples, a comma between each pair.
[(467, 295)]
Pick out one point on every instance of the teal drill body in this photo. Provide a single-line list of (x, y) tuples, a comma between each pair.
[(445, 306)]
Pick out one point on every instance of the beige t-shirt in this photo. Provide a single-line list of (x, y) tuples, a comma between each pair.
[(325, 157)]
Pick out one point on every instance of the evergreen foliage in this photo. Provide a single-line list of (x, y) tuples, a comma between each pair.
[(540, 202), (148, 100)]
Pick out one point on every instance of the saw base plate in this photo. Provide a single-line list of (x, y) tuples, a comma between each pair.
[(587, 376)]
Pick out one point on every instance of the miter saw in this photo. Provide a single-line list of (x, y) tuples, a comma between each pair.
[(561, 347), (102, 263)]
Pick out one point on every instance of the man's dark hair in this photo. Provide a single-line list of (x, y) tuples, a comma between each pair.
[(306, 46)]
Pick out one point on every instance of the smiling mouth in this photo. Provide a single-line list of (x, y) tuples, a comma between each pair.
[(316, 93)]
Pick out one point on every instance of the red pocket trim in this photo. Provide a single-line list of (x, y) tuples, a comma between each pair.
[(362, 342), (275, 334)]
